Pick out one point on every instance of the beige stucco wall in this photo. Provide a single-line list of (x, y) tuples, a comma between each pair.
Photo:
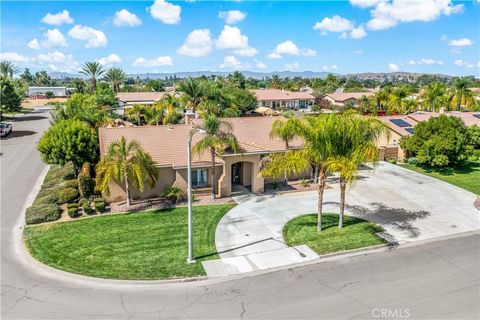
[(181, 176), (390, 140), (225, 181)]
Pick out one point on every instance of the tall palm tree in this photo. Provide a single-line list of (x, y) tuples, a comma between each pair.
[(8, 69), (353, 145), (135, 112), (317, 134), (276, 82), (397, 100), (126, 162), (434, 96), (460, 95), (155, 115), (194, 92), (116, 77), (93, 70), (217, 138), (286, 130)]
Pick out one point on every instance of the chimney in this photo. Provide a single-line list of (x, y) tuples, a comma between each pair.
[(189, 117)]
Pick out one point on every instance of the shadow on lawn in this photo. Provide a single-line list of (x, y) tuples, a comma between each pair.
[(464, 168)]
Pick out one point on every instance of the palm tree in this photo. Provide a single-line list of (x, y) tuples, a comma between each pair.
[(8, 69), (136, 112), (194, 92), (276, 82), (461, 95), (354, 144), (117, 77), (217, 138), (126, 162), (397, 100), (155, 115), (286, 131), (434, 96), (93, 70), (317, 134)]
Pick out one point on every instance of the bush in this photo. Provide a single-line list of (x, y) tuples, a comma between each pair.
[(46, 199), (305, 182), (73, 212), (73, 183), (392, 160), (67, 195), (83, 202), (72, 205), (173, 194), (42, 213), (275, 185), (86, 185), (100, 206), (412, 160)]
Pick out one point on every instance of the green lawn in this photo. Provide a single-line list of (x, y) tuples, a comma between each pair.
[(466, 176), (145, 245), (356, 233)]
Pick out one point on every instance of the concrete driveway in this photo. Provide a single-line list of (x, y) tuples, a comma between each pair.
[(408, 205)]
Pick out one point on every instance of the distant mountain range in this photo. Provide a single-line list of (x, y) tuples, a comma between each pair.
[(260, 75)]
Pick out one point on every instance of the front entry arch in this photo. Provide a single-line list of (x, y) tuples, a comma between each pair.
[(243, 170), (242, 174)]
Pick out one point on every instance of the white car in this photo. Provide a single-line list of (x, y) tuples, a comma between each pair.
[(5, 129)]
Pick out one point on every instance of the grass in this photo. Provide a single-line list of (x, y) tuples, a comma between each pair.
[(146, 245), (356, 233), (12, 115), (466, 176)]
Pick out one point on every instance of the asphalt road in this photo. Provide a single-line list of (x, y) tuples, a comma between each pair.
[(435, 280)]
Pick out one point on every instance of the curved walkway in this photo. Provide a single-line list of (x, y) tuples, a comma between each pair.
[(410, 207)]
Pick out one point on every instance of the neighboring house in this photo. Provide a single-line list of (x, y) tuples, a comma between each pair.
[(340, 100), (167, 145), (128, 99), (41, 92), (282, 99)]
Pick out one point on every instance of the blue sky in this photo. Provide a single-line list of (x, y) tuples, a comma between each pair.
[(434, 36)]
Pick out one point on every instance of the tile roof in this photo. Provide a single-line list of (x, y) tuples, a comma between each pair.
[(400, 130), (348, 95), (278, 94), (168, 144), (140, 96)]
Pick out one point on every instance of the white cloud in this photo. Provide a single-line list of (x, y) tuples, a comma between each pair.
[(126, 18), (110, 59), (387, 14), (231, 38), (288, 47), (198, 43), (333, 24), (232, 16), (57, 19), (166, 12), (463, 63), (292, 66), (148, 63), (94, 38), (14, 57), (393, 67), (231, 62), (365, 3), (58, 61), (460, 42), (260, 65), (358, 33), (332, 67), (425, 61), (34, 44), (358, 52), (54, 38)]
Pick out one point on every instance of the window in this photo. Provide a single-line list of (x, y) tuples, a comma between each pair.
[(199, 178)]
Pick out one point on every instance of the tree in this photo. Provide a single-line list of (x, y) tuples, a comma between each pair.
[(93, 70), (8, 69), (439, 142), (116, 77), (474, 136), (194, 91), (434, 96), (217, 138), (460, 95), (126, 162), (135, 112), (397, 100), (10, 100), (78, 85), (27, 76), (285, 130), (42, 78), (69, 141), (155, 114), (156, 85)]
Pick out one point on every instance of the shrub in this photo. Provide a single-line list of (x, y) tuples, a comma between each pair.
[(83, 202), (73, 183), (392, 160), (275, 185), (412, 160), (67, 195), (42, 213), (73, 212), (305, 182), (173, 194), (46, 199), (86, 185), (100, 206), (72, 205)]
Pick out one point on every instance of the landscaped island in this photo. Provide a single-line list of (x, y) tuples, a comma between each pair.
[(146, 245)]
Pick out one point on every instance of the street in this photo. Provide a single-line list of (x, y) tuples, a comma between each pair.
[(434, 280)]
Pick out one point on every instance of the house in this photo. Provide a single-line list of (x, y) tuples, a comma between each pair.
[(283, 99), (41, 92), (341, 100), (167, 145), (128, 99)]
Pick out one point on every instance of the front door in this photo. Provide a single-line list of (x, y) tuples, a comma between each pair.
[(236, 173)]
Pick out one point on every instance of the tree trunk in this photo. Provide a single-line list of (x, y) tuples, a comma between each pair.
[(320, 189), (285, 172), (94, 84), (212, 152), (315, 175), (75, 169), (127, 188), (343, 186)]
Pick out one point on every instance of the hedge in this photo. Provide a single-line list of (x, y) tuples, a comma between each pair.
[(67, 195), (73, 183), (73, 212), (42, 213)]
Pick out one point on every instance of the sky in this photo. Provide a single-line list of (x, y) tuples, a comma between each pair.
[(432, 36)]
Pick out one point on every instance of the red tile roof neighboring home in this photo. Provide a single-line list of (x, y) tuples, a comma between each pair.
[(138, 97), (168, 144), (344, 96), (279, 95), (387, 120)]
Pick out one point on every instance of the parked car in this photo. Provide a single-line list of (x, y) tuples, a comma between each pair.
[(5, 129)]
